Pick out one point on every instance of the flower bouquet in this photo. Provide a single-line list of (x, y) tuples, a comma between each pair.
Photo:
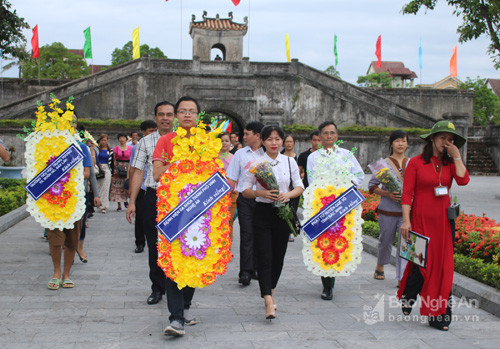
[(336, 252), (203, 250), (64, 203), (385, 174), (263, 173)]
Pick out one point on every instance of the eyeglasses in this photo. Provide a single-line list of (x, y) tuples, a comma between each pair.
[(187, 112), (326, 133)]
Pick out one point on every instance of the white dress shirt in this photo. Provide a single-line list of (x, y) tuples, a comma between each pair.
[(281, 167), (343, 156), (236, 170)]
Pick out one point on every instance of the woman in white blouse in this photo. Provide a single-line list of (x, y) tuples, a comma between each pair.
[(271, 232)]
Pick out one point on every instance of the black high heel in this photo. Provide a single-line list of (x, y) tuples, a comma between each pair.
[(406, 306), (82, 259)]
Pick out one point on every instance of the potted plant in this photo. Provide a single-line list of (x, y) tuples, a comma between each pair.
[(9, 170)]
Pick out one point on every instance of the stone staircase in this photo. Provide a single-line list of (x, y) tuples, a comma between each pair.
[(479, 160)]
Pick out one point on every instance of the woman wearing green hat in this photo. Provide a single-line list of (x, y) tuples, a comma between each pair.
[(425, 200)]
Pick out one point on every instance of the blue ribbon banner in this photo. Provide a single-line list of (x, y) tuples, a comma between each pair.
[(194, 206), (332, 213), (54, 171)]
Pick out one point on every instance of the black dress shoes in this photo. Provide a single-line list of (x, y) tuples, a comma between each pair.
[(155, 297), (244, 279), (139, 249), (327, 294)]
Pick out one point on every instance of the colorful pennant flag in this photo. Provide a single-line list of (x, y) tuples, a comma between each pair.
[(287, 43), (230, 127), (34, 43), (420, 54), (87, 47), (136, 50), (378, 51), (335, 49), (453, 63), (236, 2)]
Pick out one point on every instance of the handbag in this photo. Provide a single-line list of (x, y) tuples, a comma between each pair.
[(99, 173), (122, 172), (294, 203)]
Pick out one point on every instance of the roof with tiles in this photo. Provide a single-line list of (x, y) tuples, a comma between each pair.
[(494, 84), (217, 23), (394, 69)]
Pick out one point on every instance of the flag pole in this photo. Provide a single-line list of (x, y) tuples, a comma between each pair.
[(248, 31), (1, 72), (180, 55)]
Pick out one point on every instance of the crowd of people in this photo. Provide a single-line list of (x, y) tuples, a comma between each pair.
[(129, 174)]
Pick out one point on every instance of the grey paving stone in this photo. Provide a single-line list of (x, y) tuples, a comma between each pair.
[(107, 308)]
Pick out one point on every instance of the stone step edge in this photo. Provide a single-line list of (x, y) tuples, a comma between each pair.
[(463, 286), (12, 218)]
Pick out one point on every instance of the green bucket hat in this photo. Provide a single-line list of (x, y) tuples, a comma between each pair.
[(445, 126)]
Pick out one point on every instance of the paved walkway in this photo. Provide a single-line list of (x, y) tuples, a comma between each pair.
[(107, 308)]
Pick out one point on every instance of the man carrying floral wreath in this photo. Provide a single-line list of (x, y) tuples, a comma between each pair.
[(329, 136), (178, 300)]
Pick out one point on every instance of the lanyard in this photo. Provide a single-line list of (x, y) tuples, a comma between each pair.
[(440, 170)]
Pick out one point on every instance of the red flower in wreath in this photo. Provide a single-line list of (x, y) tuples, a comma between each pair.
[(325, 241), (208, 278), (225, 255), (220, 268), (187, 166), (340, 244), (331, 256), (211, 167)]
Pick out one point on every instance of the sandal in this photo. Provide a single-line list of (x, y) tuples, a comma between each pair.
[(82, 259), (67, 283), (55, 284), (438, 325), (379, 275), (406, 306)]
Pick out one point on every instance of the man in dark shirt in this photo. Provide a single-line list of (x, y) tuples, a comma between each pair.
[(302, 161)]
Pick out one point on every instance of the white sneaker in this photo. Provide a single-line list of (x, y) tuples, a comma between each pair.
[(189, 320), (175, 329)]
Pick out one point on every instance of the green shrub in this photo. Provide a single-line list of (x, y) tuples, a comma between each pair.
[(356, 129), (487, 273), (371, 228), (11, 199), (6, 183)]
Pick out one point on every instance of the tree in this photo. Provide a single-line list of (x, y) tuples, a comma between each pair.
[(375, 80), (480, 17), (486, 103), (331, 70), (11, 35), (56, 62), (124, 54)]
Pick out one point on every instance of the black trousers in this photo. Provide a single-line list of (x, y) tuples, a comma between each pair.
[(414, 285), (271, 240), (157, 276), (140, 237), (178, 300), (246, 209)]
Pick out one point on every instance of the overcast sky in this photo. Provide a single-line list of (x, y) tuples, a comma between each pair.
[(311, 25)]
